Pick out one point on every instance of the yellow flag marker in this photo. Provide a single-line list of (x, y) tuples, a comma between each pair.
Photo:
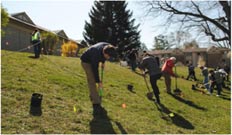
[(74, 109), (171, 114)]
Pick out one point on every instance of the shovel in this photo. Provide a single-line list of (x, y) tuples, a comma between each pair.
[(149, 94), (177, 91), (100, 92)]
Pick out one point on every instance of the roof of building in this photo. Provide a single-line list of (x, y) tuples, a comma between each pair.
[(61, 33), (23, 17)]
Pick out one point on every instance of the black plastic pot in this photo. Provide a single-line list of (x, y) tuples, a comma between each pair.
[(130, 87), (35, 107), (193, 87)]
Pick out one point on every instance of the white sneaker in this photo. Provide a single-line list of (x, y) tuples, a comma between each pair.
[(218, 95)]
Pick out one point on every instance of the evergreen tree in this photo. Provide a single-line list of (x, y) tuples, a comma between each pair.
[(161, 43), (111, 22)]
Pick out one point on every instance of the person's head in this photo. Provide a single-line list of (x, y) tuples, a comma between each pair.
[(35, 30), (110, 52), (201, 67), (211, 71), (173, 59), (146, 55)]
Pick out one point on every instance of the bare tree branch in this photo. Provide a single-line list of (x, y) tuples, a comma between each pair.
[(194, 16), (208, 32)]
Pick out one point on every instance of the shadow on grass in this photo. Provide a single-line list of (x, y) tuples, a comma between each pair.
[(120, 127), (190, 103), (132, 91), (228, 88), (101, 124), (174, 118), (225, 98), (32, 57)]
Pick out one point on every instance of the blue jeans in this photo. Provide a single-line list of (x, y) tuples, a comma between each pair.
[(219, 88), (205, 82)]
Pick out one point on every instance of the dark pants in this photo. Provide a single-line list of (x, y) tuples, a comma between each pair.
[(37, 48), (192, 74), (218, 85), (153, 81), (133, 65)]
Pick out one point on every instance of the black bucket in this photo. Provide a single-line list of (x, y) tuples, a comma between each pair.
[(35, 107), (130, 87), (194, 87)]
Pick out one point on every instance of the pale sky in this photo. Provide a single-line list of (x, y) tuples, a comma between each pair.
[(70, 16)]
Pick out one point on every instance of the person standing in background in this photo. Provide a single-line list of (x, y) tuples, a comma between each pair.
[(36, 42), (191, 72), (204, 72)]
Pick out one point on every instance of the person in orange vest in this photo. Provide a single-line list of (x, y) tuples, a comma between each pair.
[(36, 42), (168, 72)]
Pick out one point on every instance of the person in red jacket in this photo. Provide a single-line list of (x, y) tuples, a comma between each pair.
[(167, 72)]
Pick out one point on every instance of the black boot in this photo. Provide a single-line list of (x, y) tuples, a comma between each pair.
[(157, 99)]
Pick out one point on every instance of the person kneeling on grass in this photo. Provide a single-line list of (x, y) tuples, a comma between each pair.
[(90, 60), (150, 63)]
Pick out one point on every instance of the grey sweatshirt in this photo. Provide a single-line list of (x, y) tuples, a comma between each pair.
[(150, 63)]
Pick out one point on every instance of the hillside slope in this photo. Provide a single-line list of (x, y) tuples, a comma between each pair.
[(62, 82)]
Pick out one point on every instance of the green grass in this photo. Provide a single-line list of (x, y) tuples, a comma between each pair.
[(63, 84)]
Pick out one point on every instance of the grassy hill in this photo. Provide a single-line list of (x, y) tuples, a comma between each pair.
[(62, 82)]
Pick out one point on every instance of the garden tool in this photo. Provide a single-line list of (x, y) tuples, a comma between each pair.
[(100, 92), (177, 91), (149, 94)]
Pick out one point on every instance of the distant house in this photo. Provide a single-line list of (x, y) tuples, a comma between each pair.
[(18, 34), (210, 57)]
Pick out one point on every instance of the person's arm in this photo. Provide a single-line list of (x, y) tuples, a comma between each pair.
[(142, 65), (100, 84), (95, 64), (95, 71), (103, 65), (210, 78)]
